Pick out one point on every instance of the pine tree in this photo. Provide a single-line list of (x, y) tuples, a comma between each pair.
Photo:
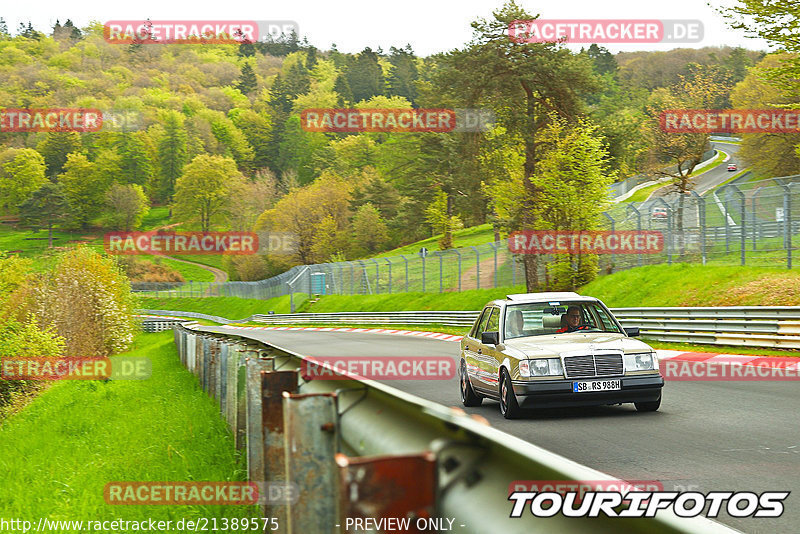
[(342, 88), (247, 80), (365, 76), (172, 154)]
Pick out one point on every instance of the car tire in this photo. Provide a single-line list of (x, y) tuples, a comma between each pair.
[(651, 406), (468, 396), (508, 402)]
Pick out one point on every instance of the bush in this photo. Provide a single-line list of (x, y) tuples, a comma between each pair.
[(139, 270), (87, 300)]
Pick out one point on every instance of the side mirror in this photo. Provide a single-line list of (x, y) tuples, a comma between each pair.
[(490, 338), (632, 331)]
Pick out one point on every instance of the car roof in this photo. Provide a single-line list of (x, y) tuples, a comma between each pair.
[(539, 297)]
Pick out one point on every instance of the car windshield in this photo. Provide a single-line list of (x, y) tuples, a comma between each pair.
[(562, 317)]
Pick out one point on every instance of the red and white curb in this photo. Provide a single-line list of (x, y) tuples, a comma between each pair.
[(786, 362), (431, 335), (663, 354)]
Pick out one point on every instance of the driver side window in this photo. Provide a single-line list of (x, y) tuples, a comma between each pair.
[(494, 321), (481, 324)]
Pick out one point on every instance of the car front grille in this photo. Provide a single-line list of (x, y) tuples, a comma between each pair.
[(593, 365)]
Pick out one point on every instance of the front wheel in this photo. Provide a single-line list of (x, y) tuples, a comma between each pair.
[(508, 401), (468, 396), (651, 406)]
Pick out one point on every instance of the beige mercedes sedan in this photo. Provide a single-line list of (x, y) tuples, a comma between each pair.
[(548, 350)]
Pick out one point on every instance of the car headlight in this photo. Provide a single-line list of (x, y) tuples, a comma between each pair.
[(646, 361), (540, 367)]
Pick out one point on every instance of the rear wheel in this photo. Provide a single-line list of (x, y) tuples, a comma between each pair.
[(651, 406), (508, 402), (468, 396)]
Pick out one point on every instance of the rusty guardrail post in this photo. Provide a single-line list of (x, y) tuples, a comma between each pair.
[(273, 385), (255, 431), (311, 439), (402, 486)]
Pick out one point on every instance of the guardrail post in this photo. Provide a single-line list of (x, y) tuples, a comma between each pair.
[(273, 386), (310, 442), (389, 486), (254, 366)]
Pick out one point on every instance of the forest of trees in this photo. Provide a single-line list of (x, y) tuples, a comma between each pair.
[(220, 129)]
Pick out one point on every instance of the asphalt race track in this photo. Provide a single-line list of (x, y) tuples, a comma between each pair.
[(707, 436)]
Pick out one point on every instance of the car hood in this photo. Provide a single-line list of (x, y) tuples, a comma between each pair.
[(559, 344)]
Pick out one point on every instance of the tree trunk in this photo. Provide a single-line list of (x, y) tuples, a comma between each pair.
[(530, 261)]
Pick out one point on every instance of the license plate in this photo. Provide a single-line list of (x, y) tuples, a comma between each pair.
[(586, 386)]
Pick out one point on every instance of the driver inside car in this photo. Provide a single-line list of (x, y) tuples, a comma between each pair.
[(573, 320)]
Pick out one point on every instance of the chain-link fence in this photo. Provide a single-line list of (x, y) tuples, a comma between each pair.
[(750, 223)]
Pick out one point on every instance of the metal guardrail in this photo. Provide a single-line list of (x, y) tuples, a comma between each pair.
[(359, 448), (755, 326), (160, 324)]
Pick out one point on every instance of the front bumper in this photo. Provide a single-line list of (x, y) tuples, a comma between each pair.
[(559, 394)]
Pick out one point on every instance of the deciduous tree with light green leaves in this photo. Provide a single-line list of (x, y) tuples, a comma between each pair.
[(84, 189), (127, 205), (202, 193), (22, 171)]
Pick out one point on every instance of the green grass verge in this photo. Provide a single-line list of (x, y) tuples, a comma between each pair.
[(467, 237), (227, 307), (191, 272), (472, 299), (58, 453), (644, 193), (697, 285), (157, 217)]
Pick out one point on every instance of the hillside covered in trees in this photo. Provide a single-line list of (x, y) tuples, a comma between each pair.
[(219, 139)]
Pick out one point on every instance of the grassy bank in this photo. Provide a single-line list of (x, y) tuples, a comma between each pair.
[(228, 307), (697, 285), (57, 454)]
